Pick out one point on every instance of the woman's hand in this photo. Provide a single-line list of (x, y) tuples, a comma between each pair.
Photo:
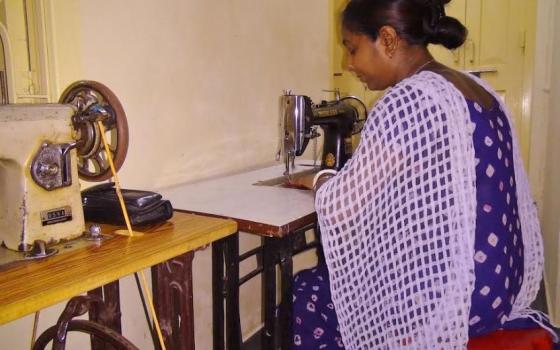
[(312, 180), (304, 181)]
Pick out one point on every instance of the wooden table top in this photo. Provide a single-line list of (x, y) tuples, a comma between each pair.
[(33, 285), (266, 210)]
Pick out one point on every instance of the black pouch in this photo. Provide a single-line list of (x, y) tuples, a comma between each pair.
[(101, 205)]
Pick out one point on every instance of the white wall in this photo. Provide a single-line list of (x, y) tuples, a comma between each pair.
[(551, 203), (199, 81), (545, 143)]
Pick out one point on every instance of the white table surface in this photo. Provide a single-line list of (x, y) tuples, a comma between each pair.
[(265, 210)]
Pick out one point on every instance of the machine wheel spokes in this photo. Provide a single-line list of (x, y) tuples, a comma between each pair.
[(94, 101)]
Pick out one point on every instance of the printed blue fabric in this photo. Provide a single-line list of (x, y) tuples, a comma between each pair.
[(315, 324), (498, 251), (498, 239)]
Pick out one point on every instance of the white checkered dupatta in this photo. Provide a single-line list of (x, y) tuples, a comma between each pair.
[(398, 223)]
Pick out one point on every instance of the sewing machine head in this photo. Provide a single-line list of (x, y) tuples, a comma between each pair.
[(300, 117), (44, 149)]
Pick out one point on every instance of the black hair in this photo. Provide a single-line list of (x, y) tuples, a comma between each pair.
[(419, 22)]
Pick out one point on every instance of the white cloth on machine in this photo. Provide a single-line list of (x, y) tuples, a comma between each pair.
[(398, 223)]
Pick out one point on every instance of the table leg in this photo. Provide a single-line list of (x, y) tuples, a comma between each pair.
[(269, 291), (173, 301), (218, 294), (286, 278), (233, 322), (226, 252), (110, 295)]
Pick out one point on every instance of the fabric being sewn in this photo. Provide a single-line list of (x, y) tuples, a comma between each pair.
[(398, 223)]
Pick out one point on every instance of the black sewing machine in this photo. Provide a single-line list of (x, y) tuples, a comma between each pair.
[(300, 117)]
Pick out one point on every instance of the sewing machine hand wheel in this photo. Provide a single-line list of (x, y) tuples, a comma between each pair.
[(94, 101), (361, 112)]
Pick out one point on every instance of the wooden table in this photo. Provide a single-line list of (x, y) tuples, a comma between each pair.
[(277, 213), (33, 285)]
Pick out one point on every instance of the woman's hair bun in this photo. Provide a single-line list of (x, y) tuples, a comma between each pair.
[(447, 31), (419, 22)]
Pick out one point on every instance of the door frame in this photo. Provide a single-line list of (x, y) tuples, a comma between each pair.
[(10, 81)]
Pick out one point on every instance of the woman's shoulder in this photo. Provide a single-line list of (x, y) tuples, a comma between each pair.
[(425, 88), (425, 84), (412, 99), (421, 86)]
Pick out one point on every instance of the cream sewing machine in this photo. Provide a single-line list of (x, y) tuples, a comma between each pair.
[(299, 118), (44, 149)]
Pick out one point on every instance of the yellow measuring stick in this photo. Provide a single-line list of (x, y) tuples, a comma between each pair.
[(129, 231)]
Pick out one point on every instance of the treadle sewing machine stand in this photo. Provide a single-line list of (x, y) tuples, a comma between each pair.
[(168, 248), (280, 215)]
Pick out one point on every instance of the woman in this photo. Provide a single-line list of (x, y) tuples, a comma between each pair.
[(430, 233)]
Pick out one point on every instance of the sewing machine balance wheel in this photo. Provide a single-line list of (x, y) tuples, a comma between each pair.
[(95, 102), (361, 112)]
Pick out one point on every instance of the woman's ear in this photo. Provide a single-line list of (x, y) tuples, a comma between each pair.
[(389, 40)]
